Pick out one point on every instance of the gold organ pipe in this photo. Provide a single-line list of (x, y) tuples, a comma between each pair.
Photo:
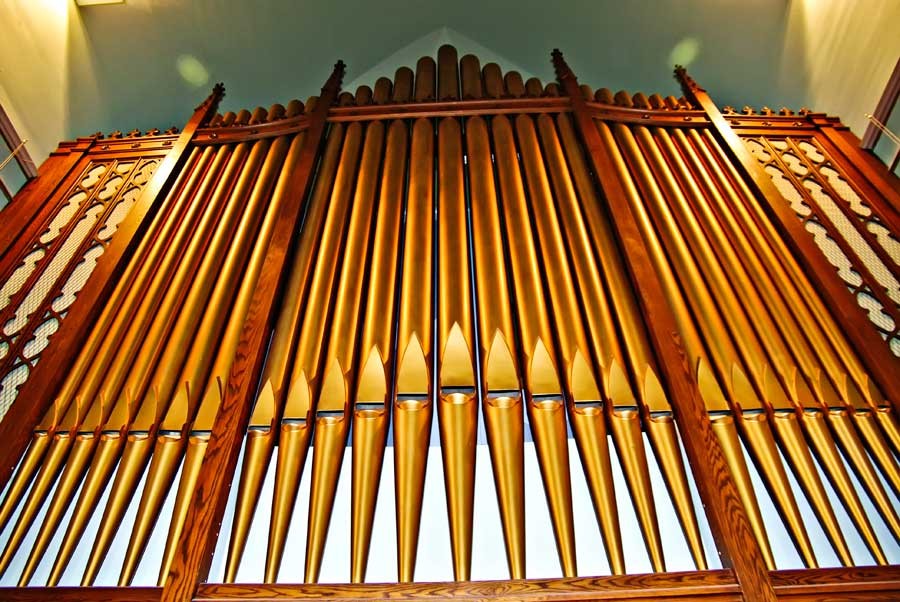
[(261, 433), (714, 400), (413, 394), (214, 285), (88, 438), (333, 404), (818, 436), (375, 364), (544, 392), (303, 384), (781, 312), (502, 407), (448, 75), (53, 464), (119, 301), (758, 435), (780, 260), (272, 181), (658, 421), (457, 402), (625, 423)]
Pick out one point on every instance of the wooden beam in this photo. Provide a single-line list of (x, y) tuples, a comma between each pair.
[(37, 393), (882, 112), (198, 536), (727, 516), (882, 365), (718, 586)]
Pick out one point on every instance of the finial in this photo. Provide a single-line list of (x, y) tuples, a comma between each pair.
[(214, 98), (688, 85)]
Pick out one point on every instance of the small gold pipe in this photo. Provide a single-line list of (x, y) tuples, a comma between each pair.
[(548, 421), (369, 438), (503, 420), (105, 458), (292, 448), (262, 434), (257, 454), (796, 451), (135, 456), (664, 439), (412, 430), (626, 431), (328, 454), (759, 439), (458, 420), (190, 473), (76, 465), (28, 467), (823, 444), (726, 433), (867, 423), (589, 427), (855, 452), (167, 454), (46, 477)]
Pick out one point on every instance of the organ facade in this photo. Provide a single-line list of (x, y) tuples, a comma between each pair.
[(669, 331)]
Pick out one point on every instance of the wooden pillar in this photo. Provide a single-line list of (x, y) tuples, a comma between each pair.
[(37, 393), (196, 545), (727, 516), (872, 350)]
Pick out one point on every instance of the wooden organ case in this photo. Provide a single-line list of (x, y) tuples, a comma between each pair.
[(651, 304)]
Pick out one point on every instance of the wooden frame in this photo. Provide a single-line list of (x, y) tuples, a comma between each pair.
[(745, 577)]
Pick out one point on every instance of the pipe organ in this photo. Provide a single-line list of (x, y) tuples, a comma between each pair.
[(288, 344)]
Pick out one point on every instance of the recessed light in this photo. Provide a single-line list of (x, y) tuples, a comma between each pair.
[(96, 2)]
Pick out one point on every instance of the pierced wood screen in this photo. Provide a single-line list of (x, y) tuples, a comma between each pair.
[(455, 327)]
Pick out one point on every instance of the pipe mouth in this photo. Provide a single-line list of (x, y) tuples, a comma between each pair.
[(368, 414), (589, 410), (412, 405), (457, 398), (547, 405), (503, 401)]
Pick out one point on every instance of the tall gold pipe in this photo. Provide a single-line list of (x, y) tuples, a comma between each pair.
[(262, 433), (413, 394), (214, 283), (888, 423), (304, 381), (130, 376), (659, 423), (371, 412), (457, 404), (281, 158), (823, 444), (502, 406), (544, 394), (110, 342), (606, 349), (334, 403)]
